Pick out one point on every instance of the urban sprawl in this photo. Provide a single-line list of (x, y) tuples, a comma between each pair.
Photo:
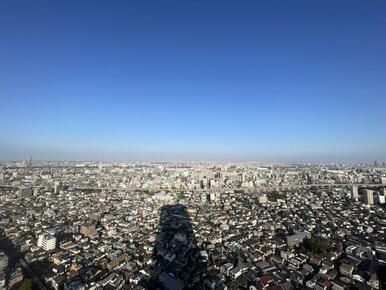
[(180, 225)]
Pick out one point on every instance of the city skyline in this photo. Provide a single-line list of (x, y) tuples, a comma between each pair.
[(247, 81)]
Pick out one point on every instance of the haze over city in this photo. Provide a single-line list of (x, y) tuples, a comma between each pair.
[(193, 80)]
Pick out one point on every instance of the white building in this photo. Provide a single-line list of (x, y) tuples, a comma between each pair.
[(47, 242), (355, 194), (368, 196), (381, 198), (263, 199)]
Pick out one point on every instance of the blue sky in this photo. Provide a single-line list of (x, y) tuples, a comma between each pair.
[(207, 80)]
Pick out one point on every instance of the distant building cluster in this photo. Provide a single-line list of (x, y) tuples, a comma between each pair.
[(87, 225)]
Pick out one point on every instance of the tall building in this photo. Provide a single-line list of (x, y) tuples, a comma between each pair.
[(354, 193), (57, 187), (47, 242), (368, 196), (204, 197), (2, 281), (29, 161), (3, 261), (380, 198)]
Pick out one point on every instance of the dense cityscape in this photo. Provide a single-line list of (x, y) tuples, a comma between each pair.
[(192, 225)]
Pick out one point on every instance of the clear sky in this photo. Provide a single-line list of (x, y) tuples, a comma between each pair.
[(209, 80)]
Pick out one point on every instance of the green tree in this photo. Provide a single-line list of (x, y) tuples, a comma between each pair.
[(317, 245), (26, 285)]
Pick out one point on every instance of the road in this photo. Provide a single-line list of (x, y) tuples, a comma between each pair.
[(35, 279)]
